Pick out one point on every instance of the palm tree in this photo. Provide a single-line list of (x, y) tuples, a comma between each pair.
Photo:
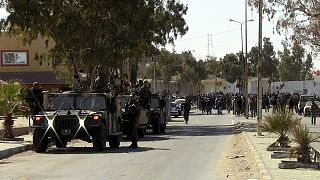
[(10, 100), (280, 124), (303, 139)]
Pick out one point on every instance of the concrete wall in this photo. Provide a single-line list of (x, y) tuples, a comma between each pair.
[(302, 87)]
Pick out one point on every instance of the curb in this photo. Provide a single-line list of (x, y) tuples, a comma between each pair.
[(12, 151), (261, 166), (19, 131)]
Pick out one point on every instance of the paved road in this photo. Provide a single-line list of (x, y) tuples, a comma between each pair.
[(184, 152)]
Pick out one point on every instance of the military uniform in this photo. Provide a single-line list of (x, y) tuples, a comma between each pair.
[(35, 99), (133, 109), (186, 111), (145, 96)]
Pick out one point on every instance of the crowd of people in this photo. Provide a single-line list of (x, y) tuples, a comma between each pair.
[(235, 103)]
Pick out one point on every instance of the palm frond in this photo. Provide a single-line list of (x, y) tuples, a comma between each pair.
[(279, 123)]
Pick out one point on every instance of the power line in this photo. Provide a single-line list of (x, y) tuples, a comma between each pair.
[(205, 36)]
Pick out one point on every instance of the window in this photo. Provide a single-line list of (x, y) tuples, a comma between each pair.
[(14, 58)]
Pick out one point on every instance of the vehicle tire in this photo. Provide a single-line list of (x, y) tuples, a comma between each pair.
[(156, 126), (38, 145), (61, 145), (99, 137), (163, 128), (176, 116), (141, 132), (304, 115), (114, 142)]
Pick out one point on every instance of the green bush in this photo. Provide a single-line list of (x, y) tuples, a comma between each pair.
[(280, 124)]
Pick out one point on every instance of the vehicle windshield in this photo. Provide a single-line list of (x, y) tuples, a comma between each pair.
[(306, 98), (61, 102), (73, 101), (91, 102)]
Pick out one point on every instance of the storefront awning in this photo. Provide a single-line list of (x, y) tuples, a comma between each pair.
[(28, 78)]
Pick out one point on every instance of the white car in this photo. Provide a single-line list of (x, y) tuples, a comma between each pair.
[(175, 109)]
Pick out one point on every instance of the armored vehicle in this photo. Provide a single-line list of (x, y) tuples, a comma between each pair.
[(67, 116), (154, 118)]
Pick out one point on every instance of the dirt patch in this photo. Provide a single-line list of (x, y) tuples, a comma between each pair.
[(237, 161)]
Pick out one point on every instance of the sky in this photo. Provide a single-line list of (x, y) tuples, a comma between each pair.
[(211, 17)]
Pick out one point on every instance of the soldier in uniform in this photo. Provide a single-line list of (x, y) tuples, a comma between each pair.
[(186, 110), (145, 95), (133, 109), (101, 81), (35, 99)]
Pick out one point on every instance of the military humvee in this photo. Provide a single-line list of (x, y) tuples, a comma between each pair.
[(154, 118), (67, 116)]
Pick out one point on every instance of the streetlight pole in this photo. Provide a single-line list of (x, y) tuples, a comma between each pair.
[(259, 113), (244, 60), (246, 63)]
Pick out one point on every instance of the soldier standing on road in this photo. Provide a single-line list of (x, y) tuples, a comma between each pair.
[(314, 110), (186, 111), (35, 99), (133, 109), (101, 81)]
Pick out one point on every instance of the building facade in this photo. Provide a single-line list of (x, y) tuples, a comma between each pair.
[(19, 62)]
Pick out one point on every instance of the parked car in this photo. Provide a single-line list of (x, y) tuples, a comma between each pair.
[(180, 102), (307, 108), (302, 102), (175, 109)]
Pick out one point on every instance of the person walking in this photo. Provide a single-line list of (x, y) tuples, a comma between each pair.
[(186, 111), (133, 109), (314, 110)]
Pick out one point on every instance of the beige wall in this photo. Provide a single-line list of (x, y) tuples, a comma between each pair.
[(8, 43)]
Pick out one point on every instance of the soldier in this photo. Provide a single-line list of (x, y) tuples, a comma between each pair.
[(35, 99), (145, 95), (186, 110), (133, 109), (101, 81)]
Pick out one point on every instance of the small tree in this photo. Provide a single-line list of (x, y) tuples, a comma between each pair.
[(280, 124), (10, 100), (303, 139)]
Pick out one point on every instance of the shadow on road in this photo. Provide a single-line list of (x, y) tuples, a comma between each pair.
[(249, 127), (217, 130), (90, 150)]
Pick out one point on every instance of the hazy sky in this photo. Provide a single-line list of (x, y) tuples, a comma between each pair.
[(212, 17)]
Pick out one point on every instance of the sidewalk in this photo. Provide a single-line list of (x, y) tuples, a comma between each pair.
[(21, 130), (269, 167)]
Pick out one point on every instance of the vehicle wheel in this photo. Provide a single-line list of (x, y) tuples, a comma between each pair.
[(179, 113), (38, 144), (304, 115), (114, 142), (176, 116), (61, 145), (141, 132), (156, 126), (163, 128), (99, 138)]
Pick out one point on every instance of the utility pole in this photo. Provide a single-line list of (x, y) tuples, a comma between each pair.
[(154, 75), (208, 45), (259, 117), (246, 63)]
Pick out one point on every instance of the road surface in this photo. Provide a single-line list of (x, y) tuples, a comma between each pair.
[(185, 152)]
